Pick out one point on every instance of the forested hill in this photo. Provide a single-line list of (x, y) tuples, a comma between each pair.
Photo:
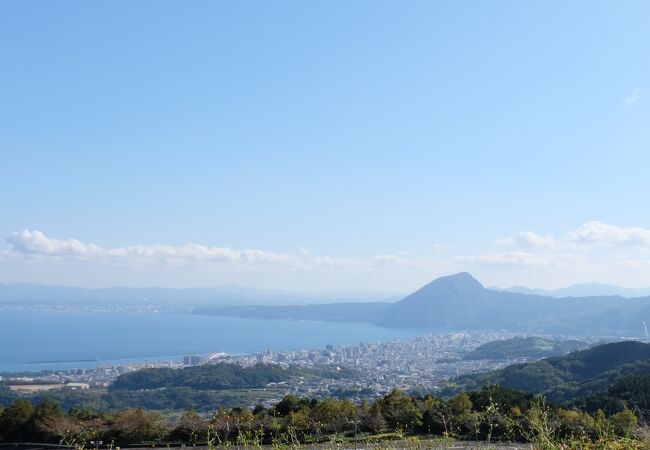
[(631, 392), (218, 377), (530, 347), (204, 388), (565, 378)]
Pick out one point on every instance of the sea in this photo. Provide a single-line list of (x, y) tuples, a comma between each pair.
[(48, 340)]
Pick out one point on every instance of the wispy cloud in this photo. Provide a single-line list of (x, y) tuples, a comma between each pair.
[(589, 233), (505, 259), (635, 96), (528, 239), (438, 247), (592, 250), (36, 244), (595, 232), (32, 244), (591, 244)]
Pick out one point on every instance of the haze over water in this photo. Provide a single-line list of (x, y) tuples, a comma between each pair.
[(63, 340)]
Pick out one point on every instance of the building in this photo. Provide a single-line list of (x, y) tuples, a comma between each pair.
[(192, 360), (77, 386)]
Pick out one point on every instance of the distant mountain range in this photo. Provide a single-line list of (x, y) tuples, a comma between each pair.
[(581, 290), (452, 302), (460, 302), (181, 299)]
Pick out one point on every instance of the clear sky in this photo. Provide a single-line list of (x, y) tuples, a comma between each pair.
[(312, 145)]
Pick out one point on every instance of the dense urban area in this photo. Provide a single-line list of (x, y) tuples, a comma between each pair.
[(418, 364)]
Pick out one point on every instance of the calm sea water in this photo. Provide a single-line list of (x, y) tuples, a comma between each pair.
[(31, 340)]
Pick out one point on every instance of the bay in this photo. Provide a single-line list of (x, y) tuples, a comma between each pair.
[(44, 340)]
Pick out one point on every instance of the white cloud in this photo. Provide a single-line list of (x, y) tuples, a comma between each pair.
[(392, 259), (636, 95), (601, 233), (633, 263), (587, 234), (528, 239), (508, 259), (35, 242), (592, 251), (36, 245), (441, 247), (402, 260)]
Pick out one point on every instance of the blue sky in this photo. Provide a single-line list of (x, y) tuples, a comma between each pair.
[(345, 145)]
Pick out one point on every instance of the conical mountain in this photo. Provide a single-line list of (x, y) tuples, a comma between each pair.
[(453, 300), (459, 301)]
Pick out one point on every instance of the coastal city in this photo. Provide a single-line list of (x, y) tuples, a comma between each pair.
[(417, 364)]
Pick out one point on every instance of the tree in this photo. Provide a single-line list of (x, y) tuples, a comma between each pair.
[(370, 417), (289, 404), (299, 419), (436, 417), (623, 422), (575, 423), (14, 420), (138, 426), (191, 427), (460, 405), (335, 415), (399, 410), (45, 414), (221, 423)]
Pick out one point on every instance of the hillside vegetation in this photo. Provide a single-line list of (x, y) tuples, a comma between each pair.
[(631, 392), (493, 414), (566, 378), (218, 377), (530, 347), (205, 388)]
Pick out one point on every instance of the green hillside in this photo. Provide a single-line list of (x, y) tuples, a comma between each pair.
[(530, 347), (631, 392), (569, 377), (204, 387), (218, 377)]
